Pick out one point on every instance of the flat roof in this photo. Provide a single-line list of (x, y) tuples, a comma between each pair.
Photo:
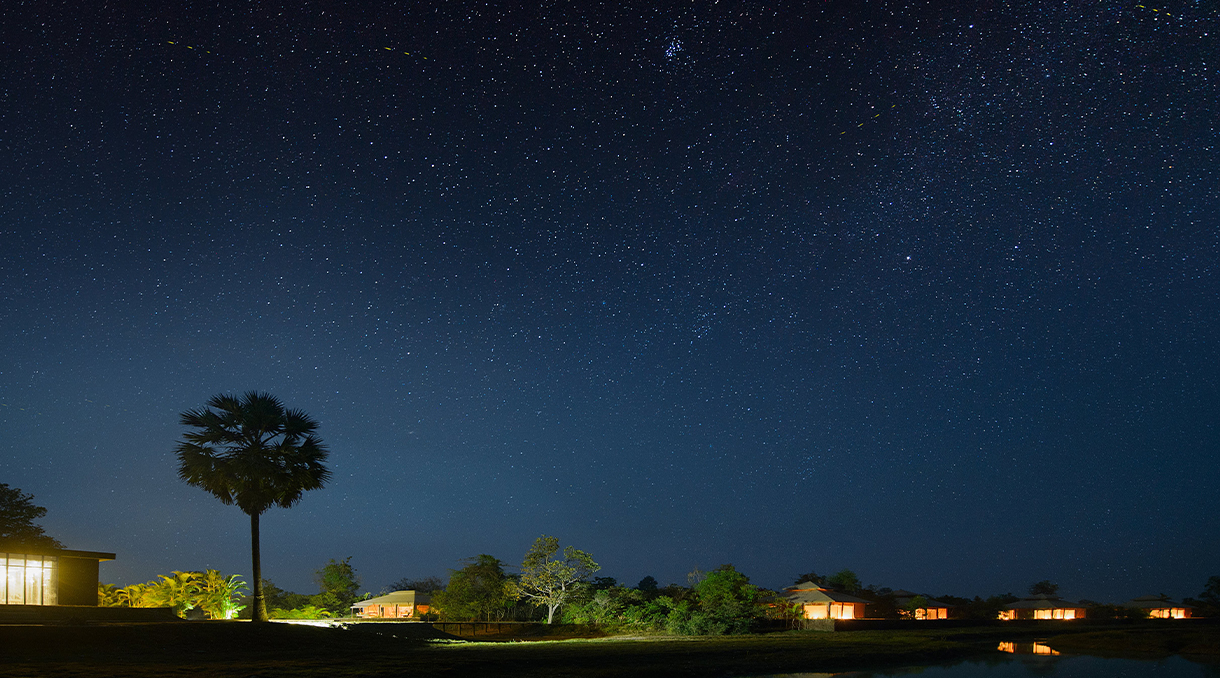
[(61, 553)]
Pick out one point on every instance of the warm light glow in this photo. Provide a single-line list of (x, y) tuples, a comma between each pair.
[(1007, 615), (830, 610), (931, 613), (28, 580), (1024, 648)]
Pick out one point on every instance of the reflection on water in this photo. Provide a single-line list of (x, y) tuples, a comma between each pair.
[(1027, 648), (1017, 664)]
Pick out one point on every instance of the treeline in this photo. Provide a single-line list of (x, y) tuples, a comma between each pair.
[(555, 585)]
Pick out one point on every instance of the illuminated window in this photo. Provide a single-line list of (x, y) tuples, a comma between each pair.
[(1042, 614), (28, 580), (1007, 614)]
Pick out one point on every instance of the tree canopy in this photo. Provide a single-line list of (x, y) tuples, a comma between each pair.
[(1043, 588), (338, 586), (550, 580), (17, 516), (844, 580), (481, 590)]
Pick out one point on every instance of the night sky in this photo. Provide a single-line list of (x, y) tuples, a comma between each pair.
[(925, 290)]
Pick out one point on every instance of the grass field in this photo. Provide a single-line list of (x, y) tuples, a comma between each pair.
[(200, 649)]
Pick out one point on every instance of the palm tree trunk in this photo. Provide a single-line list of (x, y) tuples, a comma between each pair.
[(259, 613)]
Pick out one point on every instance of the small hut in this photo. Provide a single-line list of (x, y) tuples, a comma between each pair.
[(931, 608), (821, 603), (396, 605), (1161, 607), (1042, 607)]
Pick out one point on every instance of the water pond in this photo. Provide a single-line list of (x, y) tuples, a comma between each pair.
[(1022, 660)]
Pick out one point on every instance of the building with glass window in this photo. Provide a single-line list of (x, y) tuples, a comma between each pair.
[(50, 577)]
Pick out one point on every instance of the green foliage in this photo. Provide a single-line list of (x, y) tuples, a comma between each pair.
[(108, 595), (210, 591), (218, 594), (179, 591), (1043, 588), (844, 580), (278, 598), (605, 606), (479, 591), (339, 586), (253, 452), (725, 603), (303, 612), (550, 580), (913, 604), (17, 516)]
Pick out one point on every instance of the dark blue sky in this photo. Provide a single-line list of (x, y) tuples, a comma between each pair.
[(926, 291)]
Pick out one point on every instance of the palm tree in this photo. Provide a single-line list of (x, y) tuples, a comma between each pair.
[(252, 452)]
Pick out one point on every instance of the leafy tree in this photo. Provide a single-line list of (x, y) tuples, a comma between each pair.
[(338, 586), (914, 604), (549, 580), (647, 584), (810, 576), (278, 598), (252, 452), (1043, 588), (17, 516), (844, 580), (480, 590), (1211, 591), (726, 603), (601, 583), (423, 585)]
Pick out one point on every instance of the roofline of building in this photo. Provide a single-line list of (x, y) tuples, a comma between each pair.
[(61, 553)]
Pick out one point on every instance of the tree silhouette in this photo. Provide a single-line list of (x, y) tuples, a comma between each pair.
[(1043, 588), (17, 516), (252, 452)]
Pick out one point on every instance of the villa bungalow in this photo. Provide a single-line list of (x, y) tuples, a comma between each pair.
[(39, 576), (822, 603), (396, 605), (1042, 607), (1161, 607), (931, 609)]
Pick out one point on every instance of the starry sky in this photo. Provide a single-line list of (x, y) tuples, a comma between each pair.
[(924, 290)]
